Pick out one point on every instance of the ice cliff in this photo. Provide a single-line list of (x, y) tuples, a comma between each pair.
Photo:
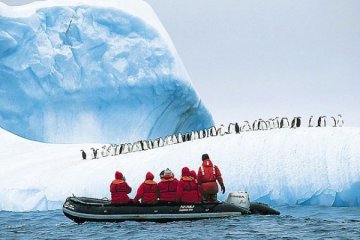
[(307, 166), (91, 71)]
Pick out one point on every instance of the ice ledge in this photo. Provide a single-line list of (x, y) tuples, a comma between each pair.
[(307, 166)]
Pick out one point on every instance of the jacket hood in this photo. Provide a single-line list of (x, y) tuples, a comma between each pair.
[(149, 176), (118, 175), (185, 172), (193, 174)]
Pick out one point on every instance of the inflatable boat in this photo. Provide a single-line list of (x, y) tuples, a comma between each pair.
[(82, 209)]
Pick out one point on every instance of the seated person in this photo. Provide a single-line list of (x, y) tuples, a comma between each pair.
[(167, 187), (187, 189), (119, 190), (193, 175), (147, 191)]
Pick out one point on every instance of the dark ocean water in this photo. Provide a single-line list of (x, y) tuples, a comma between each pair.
[(297, 222)]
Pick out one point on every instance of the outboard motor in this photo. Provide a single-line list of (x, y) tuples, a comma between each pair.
[(240, 199)]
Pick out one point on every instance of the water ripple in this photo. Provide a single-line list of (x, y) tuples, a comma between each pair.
[(295, 223)]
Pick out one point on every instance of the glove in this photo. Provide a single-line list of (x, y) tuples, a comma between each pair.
[(223, 189)]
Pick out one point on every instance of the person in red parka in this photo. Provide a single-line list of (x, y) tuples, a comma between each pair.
[(147, 191), (208, 174), (167, 187), (193, 175), (187, 189), (119, 189)]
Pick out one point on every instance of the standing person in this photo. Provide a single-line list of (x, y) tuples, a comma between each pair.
[(147, 191), (187, 189), (167, 187), (207, 176), (119, 189)]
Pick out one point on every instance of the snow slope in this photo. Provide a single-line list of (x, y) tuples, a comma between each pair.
[(92, 71), (311, 166)]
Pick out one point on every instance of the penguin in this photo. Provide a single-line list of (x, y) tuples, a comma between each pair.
[(104, 152), (167, 140), (237, 128), (136, 147), (319, 122), (266, 125), (161, 142), (108, 150), (333, 121), (284, 122), (262, 125), (145, 145), (231, 128), (183, 137), (213, 131), (293, 123), (115, 148), (255, 125), (311, 121), (150, 144), (276, 122), (340, 121), (95, 151), (83, 154), (130, 147), (222, 130), (174, 139), (204, 135), (246, 126), (196, 135), (155, 143), (180, 138), (269, 124), (322, 121), (259, 124), (121, 149), (187, 137), (298, 122)]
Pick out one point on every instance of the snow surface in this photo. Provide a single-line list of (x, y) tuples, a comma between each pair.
[(309, 166), (92, 71)]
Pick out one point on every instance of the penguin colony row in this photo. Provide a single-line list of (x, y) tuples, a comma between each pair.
[(232, 128)]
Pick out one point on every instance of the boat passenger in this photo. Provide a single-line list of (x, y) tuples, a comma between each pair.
[(187, 189), (167, 187), (208, 174), (161, 175), (147, 191), (193, 175), (119, 189)]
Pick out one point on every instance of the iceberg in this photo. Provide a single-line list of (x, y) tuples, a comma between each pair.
[(91, 71), (76, 75), (305, 166)]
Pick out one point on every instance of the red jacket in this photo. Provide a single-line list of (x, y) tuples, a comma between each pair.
[(119, 190), (207, 176), (187, 189), (148, 191), (167, 189)]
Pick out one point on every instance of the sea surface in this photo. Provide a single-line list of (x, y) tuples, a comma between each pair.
[(295, 222)]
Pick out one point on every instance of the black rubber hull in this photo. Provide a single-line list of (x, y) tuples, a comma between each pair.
[(262, 209), (96, 210)]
